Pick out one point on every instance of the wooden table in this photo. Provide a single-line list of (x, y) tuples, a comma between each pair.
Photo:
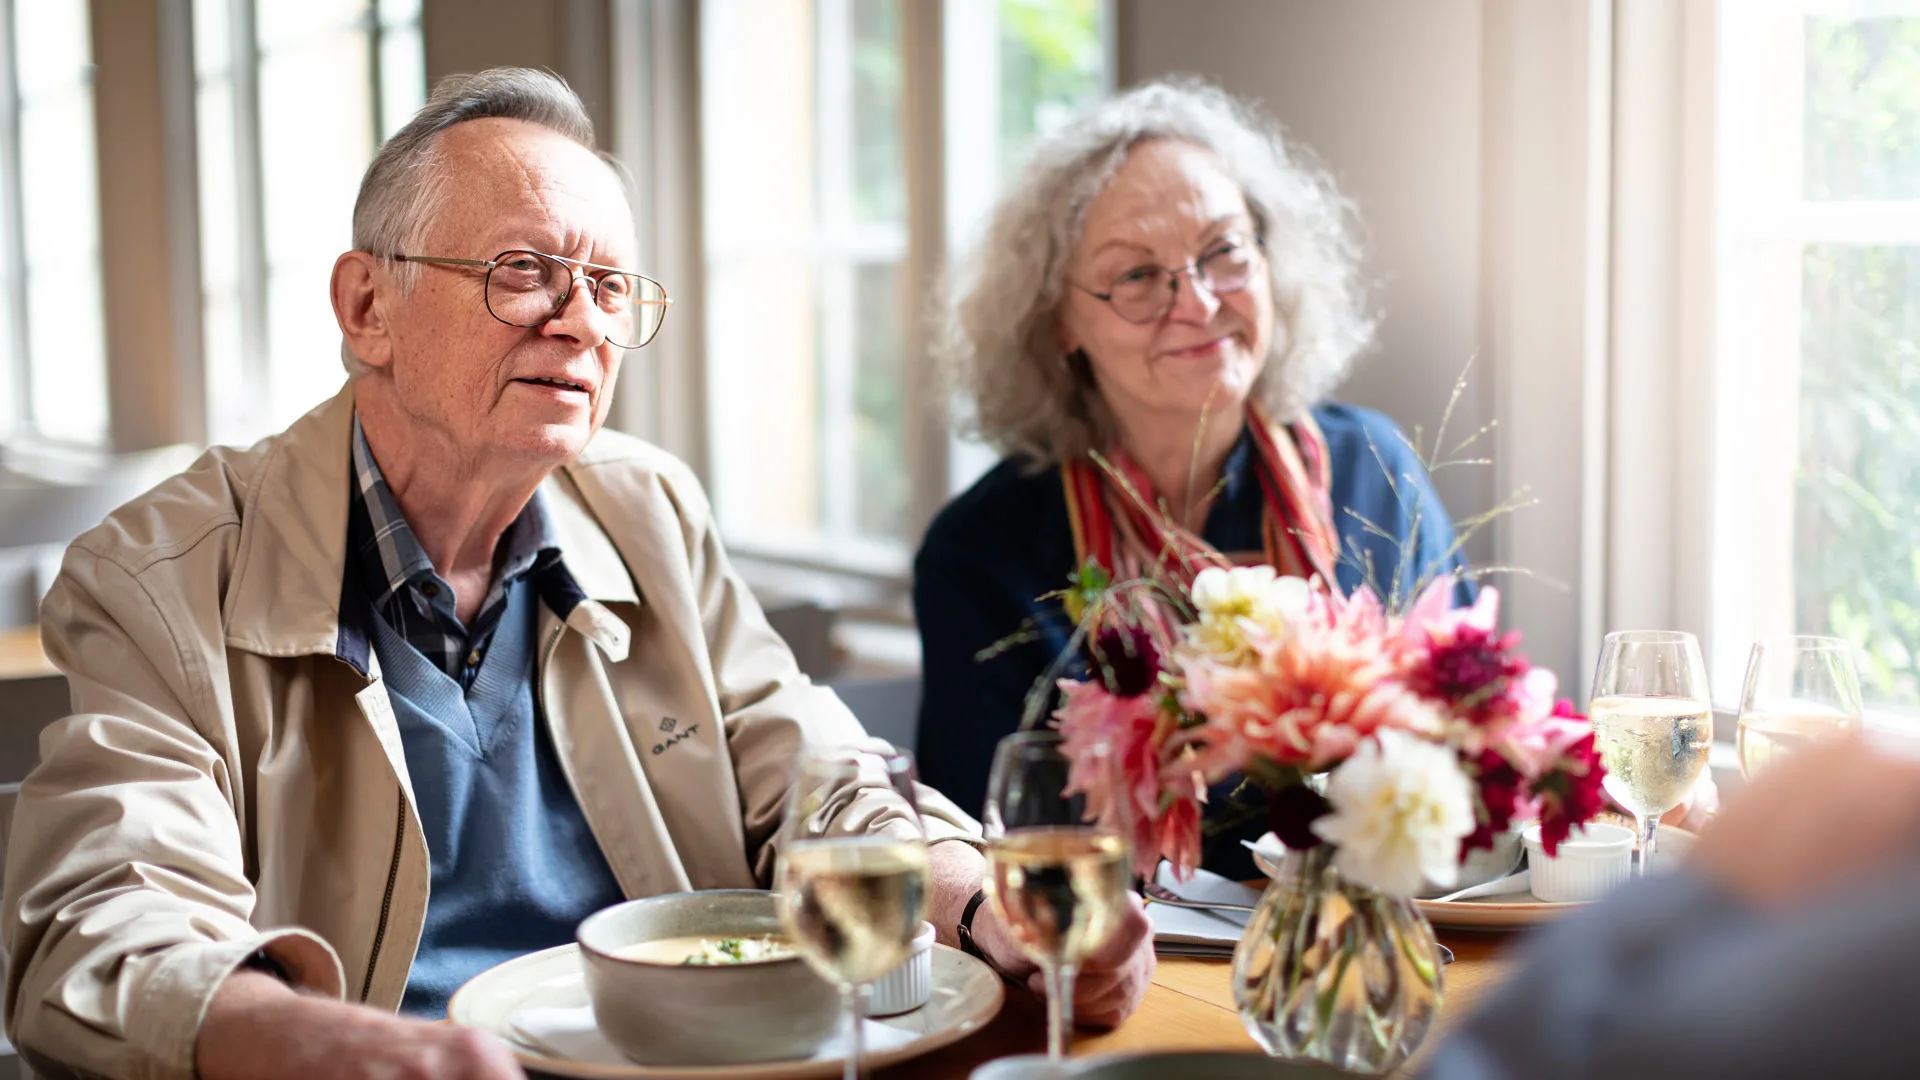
[(1189, 1007), (21, 656)]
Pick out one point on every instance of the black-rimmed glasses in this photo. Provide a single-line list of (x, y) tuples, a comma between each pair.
[(1146, 293), (528, 288)]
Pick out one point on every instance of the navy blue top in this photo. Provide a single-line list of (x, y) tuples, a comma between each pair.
[(993, 551)]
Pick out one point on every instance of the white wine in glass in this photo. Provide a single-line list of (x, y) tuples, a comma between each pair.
[(1058, 879), (854, 905), (1652, 723), (1800, 691), (1060, 890), (852, 902)]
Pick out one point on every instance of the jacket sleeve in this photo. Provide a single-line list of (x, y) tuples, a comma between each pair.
[(1674, 978), (126, 896), (771, 710)]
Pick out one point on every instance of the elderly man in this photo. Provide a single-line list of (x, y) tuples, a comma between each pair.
[(414, 685)]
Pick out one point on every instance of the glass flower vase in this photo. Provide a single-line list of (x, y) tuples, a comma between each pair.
[(1333, 972)]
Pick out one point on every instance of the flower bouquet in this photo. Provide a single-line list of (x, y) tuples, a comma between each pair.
[(1391, 745)]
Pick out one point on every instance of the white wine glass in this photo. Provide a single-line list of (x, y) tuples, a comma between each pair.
[(1801, 690), (1058, 878), (852, 892), (1653, 724)]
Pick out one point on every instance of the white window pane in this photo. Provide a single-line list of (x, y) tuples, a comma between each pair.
[(398, 12), (808, 446), (303, 340), (212, 38), (761, 331), (57, 176), (219, 188), (276, 24), (232, 416), (1817, 489), (1862, 113), (1857, 533), (67, 355), (311, 157), (60, 241), (1051, 63), (403, 77), (54, 48)]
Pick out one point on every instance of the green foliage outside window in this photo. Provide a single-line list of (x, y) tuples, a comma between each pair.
[(1857, 530)]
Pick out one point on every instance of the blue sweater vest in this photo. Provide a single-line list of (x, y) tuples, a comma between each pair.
[(515, 868)]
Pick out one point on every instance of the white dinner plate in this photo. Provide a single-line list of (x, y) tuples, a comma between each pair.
[(1509, 912), (966, 994)]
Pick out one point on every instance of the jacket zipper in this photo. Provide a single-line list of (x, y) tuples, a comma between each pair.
[(386, 902)]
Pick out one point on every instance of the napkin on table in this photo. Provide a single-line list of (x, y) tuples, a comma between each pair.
[(1186, 932)]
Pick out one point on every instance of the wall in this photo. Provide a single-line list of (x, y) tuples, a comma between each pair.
[(567, 37), (1459, 128)]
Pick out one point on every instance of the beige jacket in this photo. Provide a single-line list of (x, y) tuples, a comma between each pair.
[(233, 776)]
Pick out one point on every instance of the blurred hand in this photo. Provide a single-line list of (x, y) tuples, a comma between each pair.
[(1107, 987), (1812, 823), (257, 1027)]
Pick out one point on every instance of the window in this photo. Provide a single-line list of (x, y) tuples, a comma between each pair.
[(52, 350), (279, 167), (1817, 516), (811, 299)]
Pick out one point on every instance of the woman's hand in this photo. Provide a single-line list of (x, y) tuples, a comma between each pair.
[(1107, 987)]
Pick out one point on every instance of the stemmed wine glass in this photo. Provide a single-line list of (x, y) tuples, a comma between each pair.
[(1652, 722), (1058, 879), (852, 901), (1800, 690)]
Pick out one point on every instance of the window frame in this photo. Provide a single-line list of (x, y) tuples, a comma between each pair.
[(241, 67), (876, 576)]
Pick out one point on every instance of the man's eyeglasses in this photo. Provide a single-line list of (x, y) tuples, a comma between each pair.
[(528, 288), (1146, 293)]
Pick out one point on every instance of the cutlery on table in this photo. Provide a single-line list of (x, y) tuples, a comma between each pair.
[(1160, 894)]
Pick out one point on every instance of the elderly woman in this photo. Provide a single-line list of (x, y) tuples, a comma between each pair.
[(1172, 286)]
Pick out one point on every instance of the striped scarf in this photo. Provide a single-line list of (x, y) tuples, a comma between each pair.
[(1118, 521)]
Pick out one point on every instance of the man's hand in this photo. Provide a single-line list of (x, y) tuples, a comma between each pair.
[(257, 1027), (1823, 817), (1107, 987)]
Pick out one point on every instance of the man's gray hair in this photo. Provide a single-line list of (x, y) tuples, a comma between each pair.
[(1018, 389), (404, 188)]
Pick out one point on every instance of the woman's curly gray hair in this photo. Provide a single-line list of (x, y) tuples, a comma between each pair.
[(1000, 345)]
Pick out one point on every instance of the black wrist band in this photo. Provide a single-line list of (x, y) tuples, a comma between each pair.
[(965, 930), (262, 961)]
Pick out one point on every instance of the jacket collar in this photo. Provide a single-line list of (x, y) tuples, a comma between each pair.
[(286, 596)]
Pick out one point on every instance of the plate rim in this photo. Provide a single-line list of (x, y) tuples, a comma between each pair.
[(790, 1069), (1478, 915)]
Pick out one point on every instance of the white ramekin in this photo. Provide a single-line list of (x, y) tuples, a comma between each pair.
[(908, 986), (1590, 862)]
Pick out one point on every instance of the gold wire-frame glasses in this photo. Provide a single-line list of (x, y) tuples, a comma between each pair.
[(528, 288)]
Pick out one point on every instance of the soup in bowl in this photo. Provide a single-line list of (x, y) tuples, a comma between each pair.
[(703, 978)]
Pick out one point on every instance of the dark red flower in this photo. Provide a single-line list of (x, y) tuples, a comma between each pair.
[(1292, 810), (1499, 784), (1472, 670), (1125, 659), (1570, 795)]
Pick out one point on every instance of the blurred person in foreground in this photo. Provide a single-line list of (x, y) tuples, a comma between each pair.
[(1788, 945), (413, 686), (1173, 286)]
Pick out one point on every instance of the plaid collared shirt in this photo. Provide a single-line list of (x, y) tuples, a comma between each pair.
[(400, 581)]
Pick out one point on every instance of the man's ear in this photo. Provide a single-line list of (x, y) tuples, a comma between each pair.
[(359, 295)]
